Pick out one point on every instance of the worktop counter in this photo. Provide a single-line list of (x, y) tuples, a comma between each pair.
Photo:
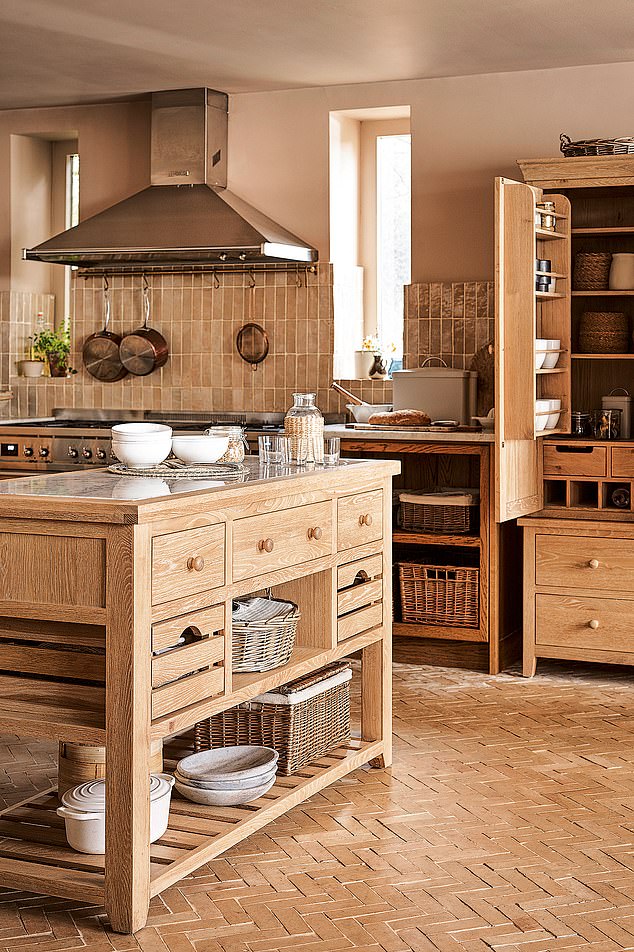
[(409, 436)]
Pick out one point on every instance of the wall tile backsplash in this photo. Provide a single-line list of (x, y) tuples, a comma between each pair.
[(200, 316)]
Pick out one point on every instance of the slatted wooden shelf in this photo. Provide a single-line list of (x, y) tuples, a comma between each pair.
[(435, 538), (35, 707), (35, 856), (247, 686)]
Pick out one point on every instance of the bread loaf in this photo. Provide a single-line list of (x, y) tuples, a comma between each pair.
[(401, 418)]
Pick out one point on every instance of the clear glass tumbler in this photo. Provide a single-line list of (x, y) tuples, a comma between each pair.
[(332, 449)]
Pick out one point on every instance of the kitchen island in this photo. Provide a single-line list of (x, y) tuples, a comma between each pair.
[(96, 583)]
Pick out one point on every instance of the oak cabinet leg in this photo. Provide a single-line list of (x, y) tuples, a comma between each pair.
[(128, 687), (530, 662)]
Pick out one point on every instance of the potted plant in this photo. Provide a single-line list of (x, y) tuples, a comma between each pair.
[(54, 347), (32, 365)]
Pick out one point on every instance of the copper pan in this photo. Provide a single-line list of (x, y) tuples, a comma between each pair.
[(144, 350)]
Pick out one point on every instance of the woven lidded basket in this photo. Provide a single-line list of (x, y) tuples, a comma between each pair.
[(623, 145), (603, 332), (302, 720), (592, 270), (449, 512), (440, 594), (262, 645)]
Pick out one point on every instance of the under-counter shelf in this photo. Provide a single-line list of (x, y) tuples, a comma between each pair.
[(35, 707), (435, 538)]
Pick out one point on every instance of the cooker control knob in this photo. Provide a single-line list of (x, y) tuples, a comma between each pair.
[(44, 451), (86, 453), (73, 452), (101, 453), (28, 451)]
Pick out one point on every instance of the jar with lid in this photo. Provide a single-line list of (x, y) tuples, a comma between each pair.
[(304, 424), (581, 423), (238, 446), (545, 212)]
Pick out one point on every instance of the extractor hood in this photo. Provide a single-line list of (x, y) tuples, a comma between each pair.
[(187, 216)]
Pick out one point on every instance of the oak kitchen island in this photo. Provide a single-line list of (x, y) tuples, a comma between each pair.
[(93, 585)]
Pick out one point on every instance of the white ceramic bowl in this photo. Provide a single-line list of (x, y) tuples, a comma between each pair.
[(540, 352), (244, 784), (542, 408), (84, 812), (486, 422), (551, 359), (553, 418), (238, 762), (363, 413), (131, 432), (224, 798), (199, 449), (142, 454)]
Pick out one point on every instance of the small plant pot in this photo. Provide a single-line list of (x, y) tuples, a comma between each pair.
[(30, 368), (57, 369)]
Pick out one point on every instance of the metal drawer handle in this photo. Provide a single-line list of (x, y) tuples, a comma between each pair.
[(593, 623), (365, 520), (265, 545), (593, 563), (315, 533), (196, 563)]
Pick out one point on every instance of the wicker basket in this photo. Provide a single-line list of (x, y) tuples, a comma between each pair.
[(621, 146), (592, 271), (448, 512), (302, 720), (440, 594), (603, 332), (78, 763), (261, 646)]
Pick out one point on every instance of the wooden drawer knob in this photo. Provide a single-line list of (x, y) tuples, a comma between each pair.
[(365, 520), (265, 545), (594, 564), (315, 533), (196, 563), (593, 623)]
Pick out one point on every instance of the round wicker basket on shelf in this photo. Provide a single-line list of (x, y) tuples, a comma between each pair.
[(592, 271), (624, 145), (603, 332)]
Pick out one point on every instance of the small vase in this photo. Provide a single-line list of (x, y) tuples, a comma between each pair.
[(30, 368), (622, 272), (363, 360)]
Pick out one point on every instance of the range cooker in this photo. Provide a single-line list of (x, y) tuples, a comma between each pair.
[(80, 439)]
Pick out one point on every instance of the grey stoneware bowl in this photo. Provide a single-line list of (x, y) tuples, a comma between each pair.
[(228, 763), (244, 784), (224, 798)]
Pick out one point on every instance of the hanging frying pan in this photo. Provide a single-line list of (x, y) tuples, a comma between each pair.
[(144, 350), (101, 350)]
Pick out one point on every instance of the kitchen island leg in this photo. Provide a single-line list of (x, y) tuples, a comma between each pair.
[(128, 692)]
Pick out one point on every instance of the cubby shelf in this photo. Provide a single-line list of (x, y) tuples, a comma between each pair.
[(614, 230), (543, 235), (548, 294), (603, 293), (435, 538)]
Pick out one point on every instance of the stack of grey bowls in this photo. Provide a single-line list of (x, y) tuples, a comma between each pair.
[(227, 776)]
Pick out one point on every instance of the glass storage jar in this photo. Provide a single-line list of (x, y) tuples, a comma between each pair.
[(238, 446), (304, 424)]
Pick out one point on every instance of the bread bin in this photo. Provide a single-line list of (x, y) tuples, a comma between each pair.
[(445, 393), (84, 812), (619, 399)]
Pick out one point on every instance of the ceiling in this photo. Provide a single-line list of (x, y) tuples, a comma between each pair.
[(67, 51)]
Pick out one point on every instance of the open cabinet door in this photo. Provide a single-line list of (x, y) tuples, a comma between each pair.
[(518, 480)]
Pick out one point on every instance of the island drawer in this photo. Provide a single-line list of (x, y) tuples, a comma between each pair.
[(562, 459), (584, 563), (359, 596), (359, 519), (581, 621), (278, 540), (185, 673), (187, 562)]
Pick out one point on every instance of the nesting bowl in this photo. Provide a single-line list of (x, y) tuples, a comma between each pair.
[(199, 449)]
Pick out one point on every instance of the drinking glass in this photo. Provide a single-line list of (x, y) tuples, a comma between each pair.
[(274, 448), (332, 449)]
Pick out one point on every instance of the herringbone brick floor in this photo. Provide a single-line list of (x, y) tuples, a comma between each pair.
[(506, 823)]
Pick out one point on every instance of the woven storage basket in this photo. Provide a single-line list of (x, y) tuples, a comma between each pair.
[(78, 763), (449, 512), (302, 720), (592, 271), (260, 646), (621, 146), (603, 332), (440, 594)]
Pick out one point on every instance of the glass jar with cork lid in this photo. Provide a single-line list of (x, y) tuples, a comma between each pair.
[(304, 424)]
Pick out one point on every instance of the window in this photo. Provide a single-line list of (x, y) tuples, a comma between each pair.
[(393, 235), (72, 190)]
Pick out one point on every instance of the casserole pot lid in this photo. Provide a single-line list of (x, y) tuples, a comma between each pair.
[(91, 796)]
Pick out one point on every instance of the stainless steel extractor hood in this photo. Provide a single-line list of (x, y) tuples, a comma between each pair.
[(187, 216)]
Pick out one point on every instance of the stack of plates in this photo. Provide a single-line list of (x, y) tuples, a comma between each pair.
[(227, 776)]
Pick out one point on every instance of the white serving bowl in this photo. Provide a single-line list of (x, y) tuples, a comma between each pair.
[(551, 359), (224, 798), (237, 762), (84, 812), (363, 413), (132, 432), (199, 449), (553, 418), (542, 408), (540, 352), (142, 454)]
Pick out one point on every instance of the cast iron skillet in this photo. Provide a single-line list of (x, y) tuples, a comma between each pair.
[(144, 350)]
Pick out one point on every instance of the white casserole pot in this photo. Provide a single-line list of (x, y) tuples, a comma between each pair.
[(84, 812)]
